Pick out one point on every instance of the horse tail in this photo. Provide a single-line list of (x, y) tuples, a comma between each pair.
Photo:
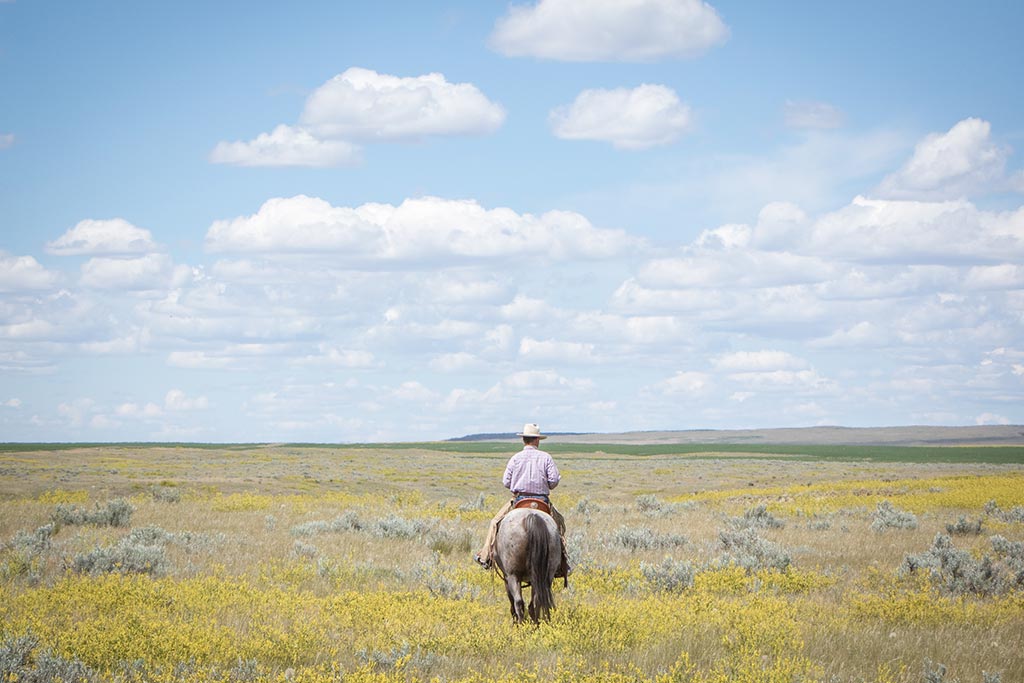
[(538, 544)]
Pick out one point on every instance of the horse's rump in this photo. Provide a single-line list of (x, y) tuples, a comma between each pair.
[(528, 551)]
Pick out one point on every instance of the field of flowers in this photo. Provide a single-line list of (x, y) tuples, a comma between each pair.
[(291, 563)]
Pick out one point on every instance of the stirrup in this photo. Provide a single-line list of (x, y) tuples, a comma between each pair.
[(486, 564)]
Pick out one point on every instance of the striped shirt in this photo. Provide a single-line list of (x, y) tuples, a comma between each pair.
[(531, 470)]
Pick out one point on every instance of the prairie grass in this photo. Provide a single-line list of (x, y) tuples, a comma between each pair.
[(290, 563)]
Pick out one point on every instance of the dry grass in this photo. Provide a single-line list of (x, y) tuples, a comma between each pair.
[(291, 563)]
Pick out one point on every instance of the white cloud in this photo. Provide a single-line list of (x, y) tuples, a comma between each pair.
[(456, 362), (287, 146), (339, 357), (363, 105), (133, 342), (991, 419), (176, 400), (961, 162), (685, 382), (416, 392), (424, 230), (638, 118), (812, 115), (795, 379), (759, 361), (707, 269), (152, 271), (12, 403), (136, 411), (609, 30), (916, 232), (6, 140), (76, 412), (864, 334), (24, 273), (102, 237), (198, 360), (550, 350), (525, 308)]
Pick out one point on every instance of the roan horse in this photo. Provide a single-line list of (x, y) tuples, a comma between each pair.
[(528, 551)]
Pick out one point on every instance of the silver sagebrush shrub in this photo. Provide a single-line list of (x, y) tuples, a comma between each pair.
[(888, 517)]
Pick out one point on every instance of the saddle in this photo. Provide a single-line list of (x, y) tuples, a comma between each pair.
[(533, 504)]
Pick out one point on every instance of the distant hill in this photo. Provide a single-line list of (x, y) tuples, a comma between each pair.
[(994, 435), (507, 436)]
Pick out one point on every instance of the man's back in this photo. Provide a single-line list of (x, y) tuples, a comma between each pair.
[(531, 470)]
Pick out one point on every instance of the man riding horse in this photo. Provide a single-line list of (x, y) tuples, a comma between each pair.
[(530, 473)]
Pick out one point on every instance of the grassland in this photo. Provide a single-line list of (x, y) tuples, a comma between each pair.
[(696, 563)]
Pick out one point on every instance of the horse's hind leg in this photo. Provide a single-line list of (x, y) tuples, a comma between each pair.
[(515, 598)]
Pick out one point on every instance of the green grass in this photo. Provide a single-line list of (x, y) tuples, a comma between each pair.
[(910, 454)]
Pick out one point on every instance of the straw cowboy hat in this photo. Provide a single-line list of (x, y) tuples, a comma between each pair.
[(531, 430)]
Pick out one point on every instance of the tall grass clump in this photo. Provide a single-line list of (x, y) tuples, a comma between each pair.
[(889, 517), (1015, 514), (123, 557), (142, 551), (964, 527), (671, 576), (162, 493), (448, 541), (348, 521), (34, 543), (642, 538), (757, 517), (22, 661), (116, 513), (957, 572), (744, 548)]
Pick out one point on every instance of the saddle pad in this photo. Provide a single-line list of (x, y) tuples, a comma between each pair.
[(534, 504)]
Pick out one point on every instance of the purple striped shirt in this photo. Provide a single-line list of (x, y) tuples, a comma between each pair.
[(531, 470)]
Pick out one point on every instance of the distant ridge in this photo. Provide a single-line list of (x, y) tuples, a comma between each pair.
[(507, 436), (991, 435)]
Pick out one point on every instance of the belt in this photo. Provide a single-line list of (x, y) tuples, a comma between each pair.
[(523, 494)]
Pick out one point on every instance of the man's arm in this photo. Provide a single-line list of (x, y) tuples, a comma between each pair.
[(554, 476), (507, 479)]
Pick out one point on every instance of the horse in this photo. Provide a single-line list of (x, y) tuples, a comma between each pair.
[(528, 551)]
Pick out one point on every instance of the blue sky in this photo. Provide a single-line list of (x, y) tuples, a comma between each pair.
[(327, 221)]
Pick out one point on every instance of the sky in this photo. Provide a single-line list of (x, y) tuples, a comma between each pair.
[(398, 221)]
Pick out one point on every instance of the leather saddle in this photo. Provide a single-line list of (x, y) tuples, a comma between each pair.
[(534, 504)]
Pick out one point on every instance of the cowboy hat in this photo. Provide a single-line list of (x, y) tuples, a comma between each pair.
[(531, 430)]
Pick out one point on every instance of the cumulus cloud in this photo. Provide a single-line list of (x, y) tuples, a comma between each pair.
[(961, 162), (331, 355), (152, 271), (638, 118), (424, 230), (287, 146), (24, 273), (812, 115), (6, 140), (176, 400), (555, 351), (686, 383), (609, 30), (364, 105), (456, 362), (916, 232), (136, 411), (758, 361), (361, 106), (102, 237)]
